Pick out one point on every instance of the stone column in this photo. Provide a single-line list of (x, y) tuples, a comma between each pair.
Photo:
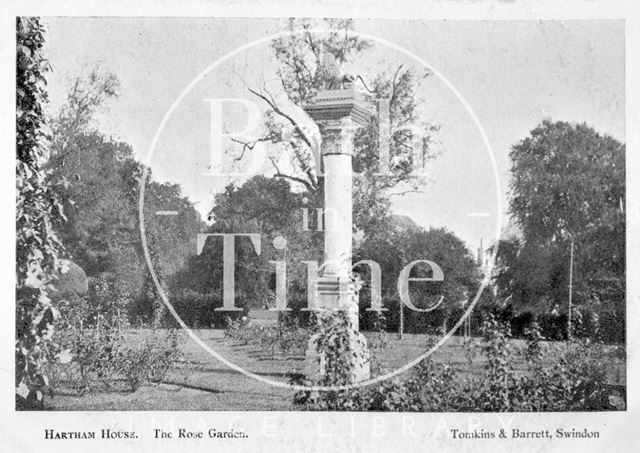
[(337, 146), (338, 113)]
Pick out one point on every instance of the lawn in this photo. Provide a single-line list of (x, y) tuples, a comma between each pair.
[(201, 382)]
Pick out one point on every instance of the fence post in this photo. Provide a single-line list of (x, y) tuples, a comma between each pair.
[(401, 329), (570, 292)]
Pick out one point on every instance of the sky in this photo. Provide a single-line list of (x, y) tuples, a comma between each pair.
[(510, 75)]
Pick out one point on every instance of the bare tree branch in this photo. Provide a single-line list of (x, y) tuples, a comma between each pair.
[(251, 144), (277, 110), (269, 99), (314, 48), (302, 181), (272, 103), (405, 192)]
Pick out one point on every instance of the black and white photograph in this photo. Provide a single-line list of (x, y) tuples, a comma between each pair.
[(287, 216)]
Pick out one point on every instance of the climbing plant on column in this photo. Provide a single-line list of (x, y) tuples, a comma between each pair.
[(37, 247)]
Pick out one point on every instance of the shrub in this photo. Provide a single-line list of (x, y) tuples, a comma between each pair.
[(197, 310), (497, 389), (105, 306), (534, 351), (107, 357), (576, 381), (287, 336), (150, 361)]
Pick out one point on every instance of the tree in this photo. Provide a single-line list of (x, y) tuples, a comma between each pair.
[(86, 96), (299, 56), (567, 180), (396, 247), (102, 231), (568, 184), (37, 247), (93, 197), (530, 276), (264, 206)]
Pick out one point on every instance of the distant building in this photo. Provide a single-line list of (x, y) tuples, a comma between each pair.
[(483, 258), (483, 261), (480, 259)]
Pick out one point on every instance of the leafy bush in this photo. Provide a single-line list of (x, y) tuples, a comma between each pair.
[(291, 336), (104, 306), (534, 351), (149, 361), (286, 337), (574, 382), (108, 357), (587, 322), (196, 310)]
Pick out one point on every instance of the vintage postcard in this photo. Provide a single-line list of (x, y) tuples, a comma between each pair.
[(279, 227)]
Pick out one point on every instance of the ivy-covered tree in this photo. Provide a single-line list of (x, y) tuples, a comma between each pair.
[(38, 249)]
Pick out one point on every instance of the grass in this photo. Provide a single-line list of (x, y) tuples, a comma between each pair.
[(201, 382)]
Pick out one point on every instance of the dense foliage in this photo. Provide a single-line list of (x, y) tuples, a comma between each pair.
[(270, 208), (394, 247), (38, 249), (267, 207), (575, 381), (102, 231), (78, 188), (567, 186), (106, 357)]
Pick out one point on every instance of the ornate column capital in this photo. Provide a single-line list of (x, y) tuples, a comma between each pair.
[(337, 136)]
